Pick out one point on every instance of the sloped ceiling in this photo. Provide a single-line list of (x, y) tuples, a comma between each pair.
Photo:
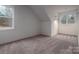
[(40, 12), (49, 12)]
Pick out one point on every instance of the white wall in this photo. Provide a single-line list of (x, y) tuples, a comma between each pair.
[(54, 27), (68, 29), (26, 25), (46, 27)]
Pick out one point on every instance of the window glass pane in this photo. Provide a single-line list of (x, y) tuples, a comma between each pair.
[(63, 20), (5, 11), (71, 19)]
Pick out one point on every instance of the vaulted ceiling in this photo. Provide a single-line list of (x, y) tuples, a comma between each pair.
[(40, 12), (50, 12)]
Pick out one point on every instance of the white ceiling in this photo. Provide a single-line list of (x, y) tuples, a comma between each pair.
[(40, 12), (48, 12)]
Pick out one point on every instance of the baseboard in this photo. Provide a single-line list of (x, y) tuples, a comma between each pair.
[(68, 34), (23, 39), (44, 35)]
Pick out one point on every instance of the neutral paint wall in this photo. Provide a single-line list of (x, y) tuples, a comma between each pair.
[(26, 25), (68, 28), (46, 27), (54, 27)]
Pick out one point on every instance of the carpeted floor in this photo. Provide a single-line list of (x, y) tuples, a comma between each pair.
[(40, 45)]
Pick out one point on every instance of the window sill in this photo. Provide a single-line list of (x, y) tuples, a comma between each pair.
[(6, 28)]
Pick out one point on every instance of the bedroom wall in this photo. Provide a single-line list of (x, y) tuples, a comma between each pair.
[(46, 27), (68, 28), (54, 27), (26, 25), (53, 11)]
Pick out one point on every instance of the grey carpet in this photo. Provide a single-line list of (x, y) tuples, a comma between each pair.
[(40, 45)]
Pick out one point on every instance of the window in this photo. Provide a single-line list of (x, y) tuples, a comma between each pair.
[(63, 21), (6, 18), (68, 17), (71, 19)]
